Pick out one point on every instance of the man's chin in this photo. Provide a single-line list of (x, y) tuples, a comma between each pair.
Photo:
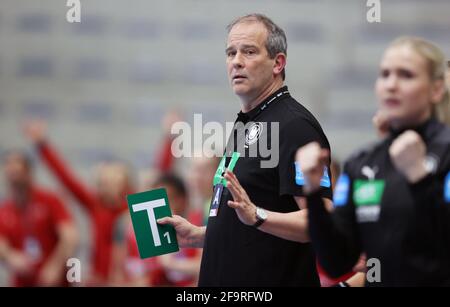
[(239, 89)]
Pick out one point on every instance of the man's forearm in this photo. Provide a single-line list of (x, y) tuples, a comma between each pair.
[(68, 240), (291, 226)]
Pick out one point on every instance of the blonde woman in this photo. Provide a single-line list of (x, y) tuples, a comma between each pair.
[(393, 199)]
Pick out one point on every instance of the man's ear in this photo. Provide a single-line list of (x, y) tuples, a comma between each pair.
[(280, 63)]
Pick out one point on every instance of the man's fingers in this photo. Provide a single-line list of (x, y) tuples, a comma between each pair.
[(233, 204), (235, 182), (163, 220), (233, 191), (229, 176), (167, 220)]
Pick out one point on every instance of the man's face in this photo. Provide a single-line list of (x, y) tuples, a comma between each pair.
[(249, 67), (112, 183), (16, 170)]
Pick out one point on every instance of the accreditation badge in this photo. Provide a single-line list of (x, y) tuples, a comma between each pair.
[(218, 190), (220, 183)]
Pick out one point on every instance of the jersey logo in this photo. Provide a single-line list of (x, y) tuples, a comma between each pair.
[(367, 197), (447, 188), (369, 172), (368, 192), (253, 133), (340, 196), (300, 177)]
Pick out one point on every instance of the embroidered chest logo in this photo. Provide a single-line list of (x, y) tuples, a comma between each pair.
[(367, 195), (369, 172), (253, 133)]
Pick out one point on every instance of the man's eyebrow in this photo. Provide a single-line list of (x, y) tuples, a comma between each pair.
[(229, 49), (244, 46)]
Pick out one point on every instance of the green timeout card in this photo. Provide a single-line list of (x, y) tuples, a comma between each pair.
[(152, 239)]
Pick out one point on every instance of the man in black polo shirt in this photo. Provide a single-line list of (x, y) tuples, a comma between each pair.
[(256, 234)]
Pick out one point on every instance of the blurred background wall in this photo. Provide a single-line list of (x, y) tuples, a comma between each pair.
[(105, 83)]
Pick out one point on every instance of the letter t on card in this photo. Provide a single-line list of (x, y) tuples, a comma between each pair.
[(152, 239)]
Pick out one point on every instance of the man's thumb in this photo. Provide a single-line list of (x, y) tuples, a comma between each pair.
[(163, 221)]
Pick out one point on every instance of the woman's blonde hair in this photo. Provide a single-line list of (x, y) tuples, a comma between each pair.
[(437, 69)]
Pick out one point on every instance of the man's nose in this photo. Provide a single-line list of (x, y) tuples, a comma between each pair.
[(238, 60)]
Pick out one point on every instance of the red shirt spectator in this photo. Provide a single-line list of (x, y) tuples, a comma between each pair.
[(33, 229), (103, 216)]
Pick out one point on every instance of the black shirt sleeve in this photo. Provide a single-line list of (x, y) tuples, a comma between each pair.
[(431, 197), (335, 235), (297, 133)]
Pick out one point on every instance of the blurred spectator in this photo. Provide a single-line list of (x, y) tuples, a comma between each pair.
[(37, 234), (165, 160), (104, 204), (200, 182)]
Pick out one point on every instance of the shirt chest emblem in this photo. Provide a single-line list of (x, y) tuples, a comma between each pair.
[(367, 195), (253, 133), (369, 172)]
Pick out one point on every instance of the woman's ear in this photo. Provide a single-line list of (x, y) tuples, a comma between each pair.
[(438, 89)]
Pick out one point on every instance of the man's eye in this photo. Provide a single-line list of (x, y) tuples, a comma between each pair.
[(384, 73), (250, 52)]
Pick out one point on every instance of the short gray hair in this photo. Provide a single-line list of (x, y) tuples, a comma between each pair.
[(276, 38)]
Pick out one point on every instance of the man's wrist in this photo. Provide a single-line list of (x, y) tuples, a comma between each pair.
[(260, 217), (199, 237)]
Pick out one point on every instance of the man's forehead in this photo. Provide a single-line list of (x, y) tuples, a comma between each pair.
[(247, 32)]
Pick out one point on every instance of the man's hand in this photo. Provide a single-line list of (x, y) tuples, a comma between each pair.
[(20, 263), (35, 130), (312, 159), (408, 154), (50, 274), (245, 209), (188, 235)]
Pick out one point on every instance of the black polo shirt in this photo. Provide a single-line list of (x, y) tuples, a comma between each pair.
[(239, 255)]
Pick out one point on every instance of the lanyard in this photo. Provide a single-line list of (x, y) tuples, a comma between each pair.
[(266, 104), (231, 161), (218, 178)]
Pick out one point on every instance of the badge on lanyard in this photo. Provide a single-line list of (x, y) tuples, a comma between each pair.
[(220, 182)]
